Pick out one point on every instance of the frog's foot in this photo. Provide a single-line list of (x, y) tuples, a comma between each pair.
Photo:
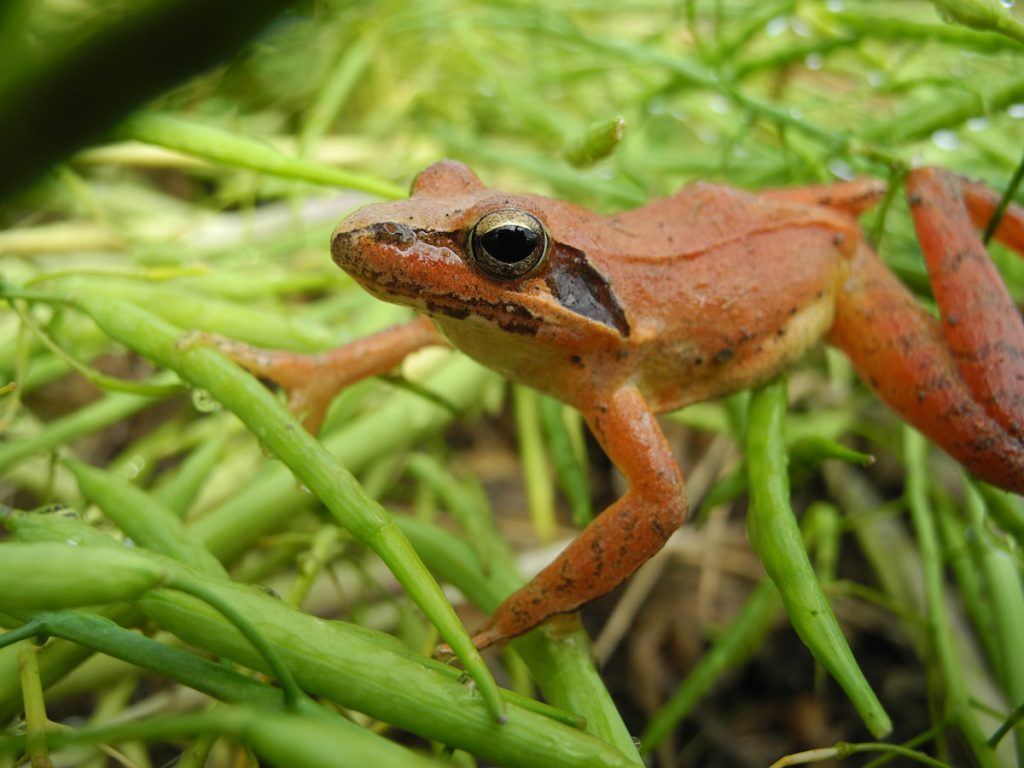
[(486, 637), (489, 635), (312, 380), (959, 380)]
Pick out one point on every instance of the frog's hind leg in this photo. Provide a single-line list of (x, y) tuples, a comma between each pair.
[(980, 321), (960, 380)]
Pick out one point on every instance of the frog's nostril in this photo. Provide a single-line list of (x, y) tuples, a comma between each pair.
[(393, 233)]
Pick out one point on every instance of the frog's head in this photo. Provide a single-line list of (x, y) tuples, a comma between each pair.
[(457, 249)]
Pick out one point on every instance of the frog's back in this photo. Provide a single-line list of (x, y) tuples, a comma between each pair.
[(726, 289)]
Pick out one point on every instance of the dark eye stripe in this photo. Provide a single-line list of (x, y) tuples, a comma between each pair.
[(582, 289)]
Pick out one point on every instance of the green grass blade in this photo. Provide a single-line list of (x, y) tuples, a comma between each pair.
[(775, 536)]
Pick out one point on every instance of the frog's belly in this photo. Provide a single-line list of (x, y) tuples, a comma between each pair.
[(688, 366)]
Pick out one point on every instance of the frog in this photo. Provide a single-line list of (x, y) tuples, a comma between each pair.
[(691, 297)]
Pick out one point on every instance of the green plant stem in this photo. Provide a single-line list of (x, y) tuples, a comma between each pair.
[(952, 110), (844, 749), (35, 704), (567, 460), (143, 518), (775, 536), (879, 27), (183, 487), (1004, 202), (536, 477), (349, 66), (312, 741), (955, 701), (737, 643), (1006, 595), (969, 577), (1011, 722), (226, 148), (99, 633), (195, 587), (465, 502)]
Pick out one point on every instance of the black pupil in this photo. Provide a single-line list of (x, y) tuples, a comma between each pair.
[(510, 243)]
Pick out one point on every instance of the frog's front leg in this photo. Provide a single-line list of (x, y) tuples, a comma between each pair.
[(622, 538), (959, 380), (312, 381)]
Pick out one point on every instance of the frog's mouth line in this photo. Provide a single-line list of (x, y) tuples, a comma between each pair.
[(514, 318), (390, 285)]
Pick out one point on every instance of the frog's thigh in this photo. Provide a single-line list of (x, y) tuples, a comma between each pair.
[(621, 538), (898, 349)]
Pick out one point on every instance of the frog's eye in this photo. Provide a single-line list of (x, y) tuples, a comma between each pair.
[(507, 244)]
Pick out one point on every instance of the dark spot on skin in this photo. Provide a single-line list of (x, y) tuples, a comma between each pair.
[(576, 361), (622, 354), (724, 355), (523, 329), (820, 294), (698, 361), (602, 408), (983, 445), (914, 199), (580, 288), (781, 331), (838, 238), (921, 395), (459, 313), (952, 319), (955, 261), (792, 311)]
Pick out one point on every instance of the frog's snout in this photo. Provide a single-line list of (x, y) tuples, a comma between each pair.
[(353, 247)]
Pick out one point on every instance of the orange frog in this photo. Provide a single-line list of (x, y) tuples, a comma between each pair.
[(691, 297)]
